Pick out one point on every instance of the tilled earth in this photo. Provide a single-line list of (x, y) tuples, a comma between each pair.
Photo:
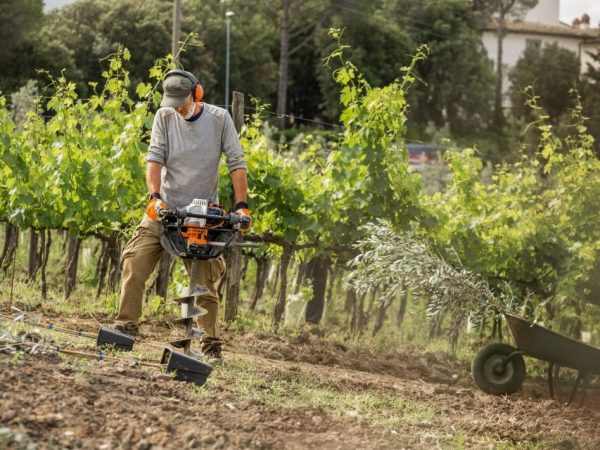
[(275, 392)]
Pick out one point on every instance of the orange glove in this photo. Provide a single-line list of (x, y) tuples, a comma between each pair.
[(242, 211), (154, 206)]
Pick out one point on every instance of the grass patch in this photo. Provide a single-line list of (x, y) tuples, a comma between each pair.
[(291, 389)]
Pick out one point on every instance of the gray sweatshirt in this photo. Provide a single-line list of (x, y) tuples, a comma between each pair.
[(190, 153)]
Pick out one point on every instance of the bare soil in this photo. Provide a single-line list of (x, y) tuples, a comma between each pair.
[(276, 392)]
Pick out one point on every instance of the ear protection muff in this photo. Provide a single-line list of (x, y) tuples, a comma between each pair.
[(197, 89)]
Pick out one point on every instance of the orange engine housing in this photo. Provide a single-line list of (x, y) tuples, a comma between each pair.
[(195, 235)]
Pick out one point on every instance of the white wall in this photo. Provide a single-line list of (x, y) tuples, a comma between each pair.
[(514, 45), (586, 49), (546, 12)]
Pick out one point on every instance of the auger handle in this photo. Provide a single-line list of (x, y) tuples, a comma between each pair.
[(182, 213)]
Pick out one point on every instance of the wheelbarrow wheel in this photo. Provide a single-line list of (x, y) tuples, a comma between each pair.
[(494, 373)]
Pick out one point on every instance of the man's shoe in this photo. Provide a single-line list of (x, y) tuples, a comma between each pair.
[(130, 328), (212, 352)]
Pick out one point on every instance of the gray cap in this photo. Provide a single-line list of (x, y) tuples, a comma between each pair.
[(176, 89)]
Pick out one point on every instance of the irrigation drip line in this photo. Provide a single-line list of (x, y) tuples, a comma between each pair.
[(50, 326), (329, 124), (100, 356), (290, 116)]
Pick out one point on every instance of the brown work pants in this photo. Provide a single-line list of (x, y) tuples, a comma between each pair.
[(140, 256)]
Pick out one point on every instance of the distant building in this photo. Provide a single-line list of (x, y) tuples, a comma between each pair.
[(541, 26)]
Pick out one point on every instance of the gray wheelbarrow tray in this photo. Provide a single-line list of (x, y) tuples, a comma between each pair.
[(500, 368)]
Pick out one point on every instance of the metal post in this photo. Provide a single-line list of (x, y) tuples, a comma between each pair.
[(228, 15), (189, 308), (176, 30)]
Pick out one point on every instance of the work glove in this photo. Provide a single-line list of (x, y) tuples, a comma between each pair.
[(154, 206), (242, 211)]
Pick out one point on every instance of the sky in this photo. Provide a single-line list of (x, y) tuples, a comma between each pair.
[(51, 4), (569, 9)]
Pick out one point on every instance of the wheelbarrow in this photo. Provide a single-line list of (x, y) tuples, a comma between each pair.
[(500, 368)]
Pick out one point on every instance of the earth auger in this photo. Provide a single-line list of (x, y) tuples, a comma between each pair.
[(199, 231)]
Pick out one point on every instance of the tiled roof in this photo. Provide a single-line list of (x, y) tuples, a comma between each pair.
[(548, 30)]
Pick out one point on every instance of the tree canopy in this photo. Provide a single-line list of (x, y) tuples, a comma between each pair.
[(382, 35), (552, 71)]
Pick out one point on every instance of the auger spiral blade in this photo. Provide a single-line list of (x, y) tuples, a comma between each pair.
[(199, 290), (187, 300), (181, 343), (196, 312)]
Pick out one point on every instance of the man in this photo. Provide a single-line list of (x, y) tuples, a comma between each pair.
[(187, 140)]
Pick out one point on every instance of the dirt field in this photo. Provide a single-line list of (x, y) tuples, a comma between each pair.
[(273, 392)]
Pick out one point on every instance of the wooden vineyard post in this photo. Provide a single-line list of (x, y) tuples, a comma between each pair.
[(279, 310), (74, 244), (234, 253)]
